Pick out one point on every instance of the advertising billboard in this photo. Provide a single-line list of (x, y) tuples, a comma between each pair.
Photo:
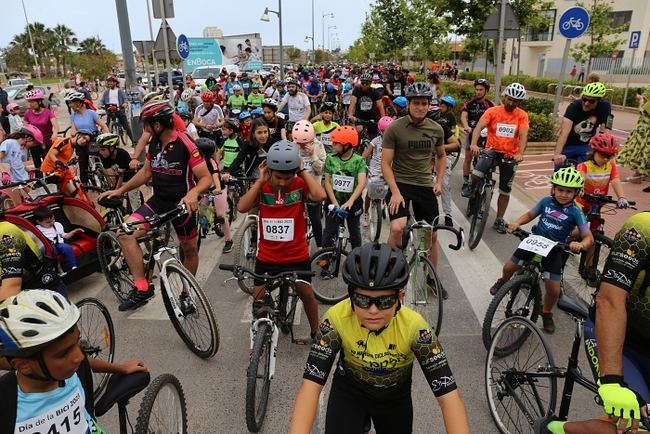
[(245, 51), (203, 52)]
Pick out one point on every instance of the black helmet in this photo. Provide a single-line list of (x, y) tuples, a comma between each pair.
[(327, 106), (365, 77), (419, 90), (376, 267), (206, 147), (483, 82), (232, 124)]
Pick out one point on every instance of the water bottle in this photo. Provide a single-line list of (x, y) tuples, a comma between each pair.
[(337, 211)]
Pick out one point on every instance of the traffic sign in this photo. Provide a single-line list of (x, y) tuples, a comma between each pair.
[(574, 22), (183, 46), (635, 38)]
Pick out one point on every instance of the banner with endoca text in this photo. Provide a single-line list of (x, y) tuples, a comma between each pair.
[(203, 52)]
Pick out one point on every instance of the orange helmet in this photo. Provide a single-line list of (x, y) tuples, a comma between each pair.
[(345, 135), (604, 143)]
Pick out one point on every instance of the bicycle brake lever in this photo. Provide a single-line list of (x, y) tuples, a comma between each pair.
[(229, 279)]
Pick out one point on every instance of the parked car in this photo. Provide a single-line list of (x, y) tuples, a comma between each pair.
[(201, 73), (177, 78), (16, 95), (121, 78), (18, 82)]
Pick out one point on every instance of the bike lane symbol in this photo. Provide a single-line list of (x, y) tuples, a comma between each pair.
[(574, 22)]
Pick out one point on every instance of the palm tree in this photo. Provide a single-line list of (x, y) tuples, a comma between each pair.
[(65, 38), (92, 46)]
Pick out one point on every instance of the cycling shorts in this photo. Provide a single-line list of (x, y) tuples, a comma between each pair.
[(185, 225), (551, 264), (266, 267), (507, 169), (425, 203)]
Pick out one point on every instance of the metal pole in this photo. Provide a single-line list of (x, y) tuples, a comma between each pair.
[(499, 54), (168, 63), (629, 74), (313, 44), (558, 90), (323, 26), (281, 47), (31, 41), (153, 50), (126, 42)]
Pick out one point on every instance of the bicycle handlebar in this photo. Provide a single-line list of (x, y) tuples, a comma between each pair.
[(155, 220), (459, 232), (523, 234), (239, 272), (23, 183), (602, 199)]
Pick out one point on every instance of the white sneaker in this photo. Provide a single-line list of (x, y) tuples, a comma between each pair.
[(364, 220)]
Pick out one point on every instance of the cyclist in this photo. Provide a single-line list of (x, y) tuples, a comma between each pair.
[(190, 128), (208, 117), (252, 153), (365, 103), (255, 98), (297, 102), (409, 145), (507, 126), (114, 96), (447, 104), (60, 153), (82, 117), (580, 123), (324, 125), (400, 104), (315, 92), (50, 386), (276, 124), (346, 97), (179, 175), (23, 265), (115, 160), (558, 216), (231, 143), (378, 339), (281, 192), (373, 151), (621, 333), (345, 179), (470, 114), (237, 101), (13, 151)]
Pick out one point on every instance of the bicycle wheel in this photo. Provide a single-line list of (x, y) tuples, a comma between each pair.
[(581, 275), (374, 221), (328, 284), (97, 337), (423, 291), (245, 251), (163, 408), (122, 133), (520, 296), (113, 265), (189, 311), (258, 381), (516, 393), (479, 218)]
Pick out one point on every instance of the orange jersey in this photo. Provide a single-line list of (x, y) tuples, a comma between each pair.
[(65, 150), (504, 128)]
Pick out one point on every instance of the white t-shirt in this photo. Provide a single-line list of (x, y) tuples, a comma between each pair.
[(375, 160), (113, 96), (298, 106), (211, 117), (191, 130), (54, 234)]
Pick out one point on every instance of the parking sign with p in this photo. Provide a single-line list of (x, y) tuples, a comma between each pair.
[(635, 38)]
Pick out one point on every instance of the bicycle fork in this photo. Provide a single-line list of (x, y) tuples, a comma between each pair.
[(165, 286), (275, 334)]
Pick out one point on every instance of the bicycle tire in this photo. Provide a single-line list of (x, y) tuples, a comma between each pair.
[(499, 370), (282, 305), (190, 292), (423, 291), (375, 221), (96, 342), (146, 424), (245, 252), (575, 274), (113, 265), (232, 208), (479, 218), (455, 157), (256, 401), (526, 285), (327, 282)]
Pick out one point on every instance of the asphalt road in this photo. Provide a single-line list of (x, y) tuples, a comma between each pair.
[(215, 389)]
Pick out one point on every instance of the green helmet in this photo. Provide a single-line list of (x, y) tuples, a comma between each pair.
[(594, 90), (568, 177), (152, 96), (108, 140)]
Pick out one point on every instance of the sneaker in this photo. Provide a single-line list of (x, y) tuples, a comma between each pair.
[(365, 220), (467, 191), (497, 286), (227, 247), (548, 325), (448, 221), (500, 226), (136, 299)]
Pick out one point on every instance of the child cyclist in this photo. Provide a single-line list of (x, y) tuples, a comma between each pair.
[(280, 194), (345, 179), (50, 383), (324, 125), (378, 339), (558, 216), (374, 169)]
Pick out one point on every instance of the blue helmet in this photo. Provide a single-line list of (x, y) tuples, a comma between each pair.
[(449, 100), (347, 86), (400, 101), (244, 115), (257, 111), (330, 87)]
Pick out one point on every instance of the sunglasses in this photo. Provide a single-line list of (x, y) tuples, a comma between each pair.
[(589, 100), (382, 302)]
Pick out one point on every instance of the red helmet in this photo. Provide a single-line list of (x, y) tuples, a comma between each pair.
[(345, 135), (604, 143), (156, 110), (207, 96)]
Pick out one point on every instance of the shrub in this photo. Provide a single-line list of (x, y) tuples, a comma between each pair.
[(541, 128), (537, 105)]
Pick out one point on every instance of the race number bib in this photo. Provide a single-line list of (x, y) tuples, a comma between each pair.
[(306, 163), (506, 130), (365, 104), (342, 183), (538, 245), (278, 229), (326, 140), (67, 419)]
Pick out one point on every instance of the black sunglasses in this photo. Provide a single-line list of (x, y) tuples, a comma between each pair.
[(382, 302), (589, 100)]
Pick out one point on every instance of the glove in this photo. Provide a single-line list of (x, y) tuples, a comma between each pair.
[(622, 203), (6, 179), (618, 399), (59, 164)]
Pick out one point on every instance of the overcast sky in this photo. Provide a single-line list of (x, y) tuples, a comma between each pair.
[(98, 17)]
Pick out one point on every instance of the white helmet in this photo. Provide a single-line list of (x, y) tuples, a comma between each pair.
[(32, 319), (236, 87), (72, 96), (187, 95), (516, 91)]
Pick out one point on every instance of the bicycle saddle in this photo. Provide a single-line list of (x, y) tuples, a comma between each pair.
[(573, 306), (113, 202), (120, 389)]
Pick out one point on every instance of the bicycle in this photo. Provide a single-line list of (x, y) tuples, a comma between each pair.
[(237, 186), (269, 320), (582, 273), (187, 306), (523, 387), (245, 251), (113, 122), (377, 212), (521, 295)]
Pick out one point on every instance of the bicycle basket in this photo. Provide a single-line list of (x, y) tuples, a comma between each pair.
[(377, 188)]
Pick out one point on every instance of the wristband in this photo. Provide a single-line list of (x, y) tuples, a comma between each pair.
[(611, 379)]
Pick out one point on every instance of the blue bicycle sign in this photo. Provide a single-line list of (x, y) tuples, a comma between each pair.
[(574, 22), (183, 46)]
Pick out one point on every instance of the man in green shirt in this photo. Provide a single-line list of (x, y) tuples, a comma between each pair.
[(238, 100), (255, 98)]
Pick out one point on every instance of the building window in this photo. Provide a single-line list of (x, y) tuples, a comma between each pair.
[(544, 33), (621, 18)]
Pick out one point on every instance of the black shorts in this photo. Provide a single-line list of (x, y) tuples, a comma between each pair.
[(265, 267), (507, 169), (551, 264), (185, 226), (425, 203)]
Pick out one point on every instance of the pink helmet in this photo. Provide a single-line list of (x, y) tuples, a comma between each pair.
[(34, 94), (303, 132), (384, 122), (32, 131)]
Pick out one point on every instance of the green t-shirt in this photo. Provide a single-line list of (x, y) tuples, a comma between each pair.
[(344, 175), (323, 132), (236, 102), (230, 151), (255, 100)]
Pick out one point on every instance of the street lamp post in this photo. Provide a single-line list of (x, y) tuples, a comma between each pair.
[(265, 18), (325, 14), (313, 43), (329, 45), (307, 38)]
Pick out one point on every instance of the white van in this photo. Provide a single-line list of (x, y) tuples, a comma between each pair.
[(201, 73)]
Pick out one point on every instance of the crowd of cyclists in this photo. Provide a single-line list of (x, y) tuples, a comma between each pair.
[(309, 141)]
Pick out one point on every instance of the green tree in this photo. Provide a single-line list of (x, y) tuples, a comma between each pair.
[(65, 39), (293, 53), (427, 29), (92, 46), (43, 43), (604, 39), (18, 58), (394, 19), (91, 65)]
